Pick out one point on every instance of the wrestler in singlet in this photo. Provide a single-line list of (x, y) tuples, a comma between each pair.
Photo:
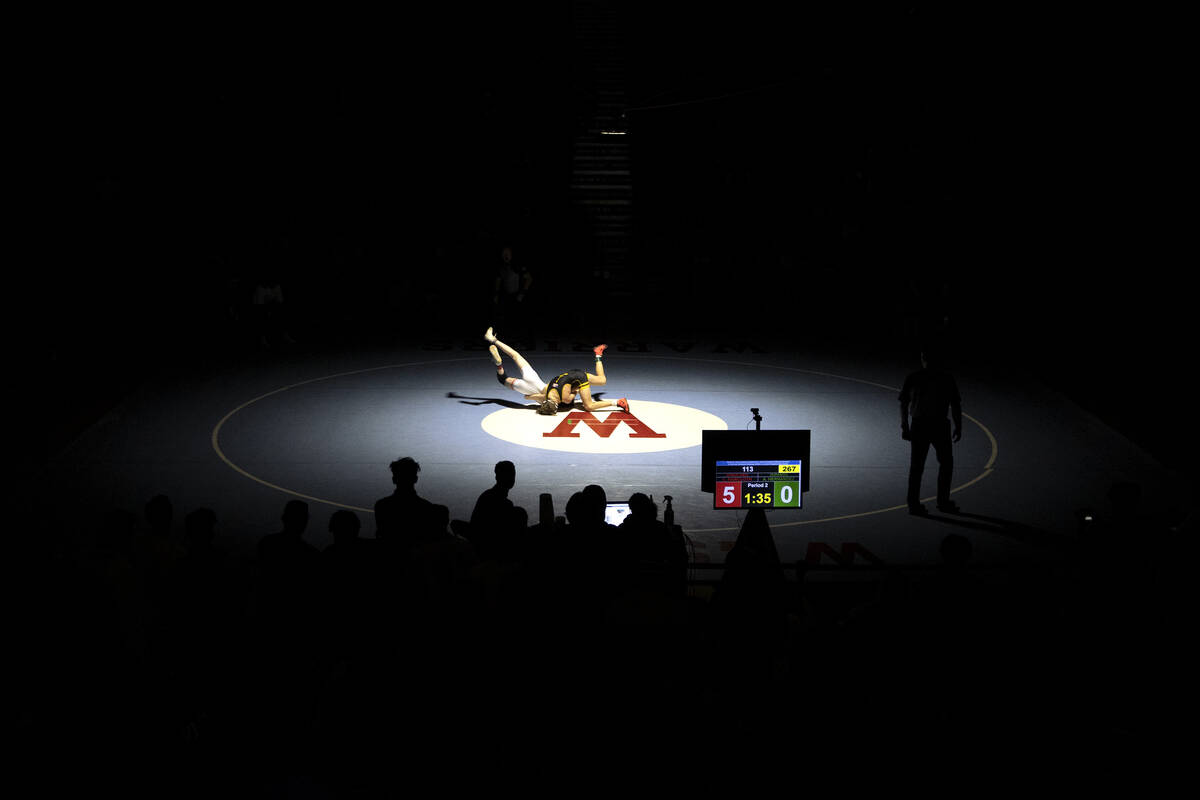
[(575, 378), (572, 383)]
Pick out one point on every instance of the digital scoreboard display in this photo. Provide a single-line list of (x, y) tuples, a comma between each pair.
[(757, 484)]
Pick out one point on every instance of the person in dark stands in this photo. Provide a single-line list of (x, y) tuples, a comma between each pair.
[(288, 565), (658, 554), (349, 560), (492, 510), (403, 513), (512, 283), (927, 395)]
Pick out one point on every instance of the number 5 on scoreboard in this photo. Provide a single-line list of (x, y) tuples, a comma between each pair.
[(729, 495)]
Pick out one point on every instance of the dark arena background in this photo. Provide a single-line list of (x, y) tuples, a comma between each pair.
[(265, 253)]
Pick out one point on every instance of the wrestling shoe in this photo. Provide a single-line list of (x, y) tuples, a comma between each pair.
[(918, 510), (623, 404), (489, 337), (495, 355), (949, 507), (599, 349)]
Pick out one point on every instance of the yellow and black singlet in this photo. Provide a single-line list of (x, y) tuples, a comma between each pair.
[(576, 378)]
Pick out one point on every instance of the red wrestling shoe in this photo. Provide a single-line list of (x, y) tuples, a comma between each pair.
[(599, 349), (623, 404)]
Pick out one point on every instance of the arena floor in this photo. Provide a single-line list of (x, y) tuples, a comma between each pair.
[(322, 425)]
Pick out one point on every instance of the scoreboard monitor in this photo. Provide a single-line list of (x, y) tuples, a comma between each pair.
[(757, 484), (755, 449)]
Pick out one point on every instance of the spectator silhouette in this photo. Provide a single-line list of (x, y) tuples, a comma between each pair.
[(927, 395), (655, 557), (445, 559), (290, 604), (199, 579), (597, 504), (345, 526), (289, 571), (402, 516), (350, 566), (562, 569), (585, 524), (492, 514), (204, 623), (157, 552), (646, 622), (510, 286), (348, 559)]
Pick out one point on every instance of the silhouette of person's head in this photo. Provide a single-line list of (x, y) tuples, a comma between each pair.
[(642, 507), (506, 474), (295, 517), (159, 514), (576, 511), (597, 500), (199, 528), (439, 518), (344, 525), (506, 254), (404, 472)]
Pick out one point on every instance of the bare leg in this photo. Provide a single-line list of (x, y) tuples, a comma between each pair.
[(514, 355), (508, 381), (598, 379)]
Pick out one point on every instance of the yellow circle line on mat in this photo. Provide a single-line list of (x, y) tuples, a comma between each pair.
[(216, 434)]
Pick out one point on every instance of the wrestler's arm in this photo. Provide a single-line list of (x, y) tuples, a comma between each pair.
[(585, 394)]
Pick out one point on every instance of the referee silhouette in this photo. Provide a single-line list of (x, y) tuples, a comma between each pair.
[(928, 394)]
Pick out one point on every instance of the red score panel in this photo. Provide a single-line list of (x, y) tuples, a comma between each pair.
[(729, 494)]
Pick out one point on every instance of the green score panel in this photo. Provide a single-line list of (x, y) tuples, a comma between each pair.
[(757, 484)]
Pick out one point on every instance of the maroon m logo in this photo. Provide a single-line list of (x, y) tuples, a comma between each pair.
[(603, 427)]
